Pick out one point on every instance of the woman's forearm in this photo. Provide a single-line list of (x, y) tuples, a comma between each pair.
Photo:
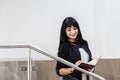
[(66, 71)]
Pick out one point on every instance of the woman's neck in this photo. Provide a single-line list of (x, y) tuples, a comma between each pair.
[(72, 41)]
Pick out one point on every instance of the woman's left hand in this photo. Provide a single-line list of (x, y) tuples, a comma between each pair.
[(91, 70)]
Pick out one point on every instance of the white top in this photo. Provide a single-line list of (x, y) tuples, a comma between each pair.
[(84, 58)]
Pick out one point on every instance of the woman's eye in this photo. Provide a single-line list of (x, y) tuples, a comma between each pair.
[(74, 28), (68, 29)]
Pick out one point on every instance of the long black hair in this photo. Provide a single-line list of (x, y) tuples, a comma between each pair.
[(68, 22)]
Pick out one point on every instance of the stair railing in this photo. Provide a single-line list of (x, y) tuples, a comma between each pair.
[(51, 56)]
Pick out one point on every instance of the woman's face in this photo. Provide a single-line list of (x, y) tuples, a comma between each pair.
[(71, 33)]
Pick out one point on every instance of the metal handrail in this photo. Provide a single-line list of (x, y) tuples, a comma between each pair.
[(53, 57)]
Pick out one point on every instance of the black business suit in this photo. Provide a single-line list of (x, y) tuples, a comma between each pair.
[(71, 53)]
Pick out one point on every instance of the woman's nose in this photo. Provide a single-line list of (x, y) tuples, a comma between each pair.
[(72, 31)]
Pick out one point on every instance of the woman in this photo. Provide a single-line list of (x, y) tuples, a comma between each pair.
[(73, 48)]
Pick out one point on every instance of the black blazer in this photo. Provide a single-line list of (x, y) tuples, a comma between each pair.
[(71, 53)]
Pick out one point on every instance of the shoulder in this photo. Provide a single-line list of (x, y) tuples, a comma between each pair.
[(63, 46), (63, 50), (85, 45)]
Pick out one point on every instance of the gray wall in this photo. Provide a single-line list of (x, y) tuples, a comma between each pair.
[(17, 70), (45, 70)]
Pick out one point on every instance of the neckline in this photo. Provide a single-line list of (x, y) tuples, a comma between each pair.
[(74, 44)]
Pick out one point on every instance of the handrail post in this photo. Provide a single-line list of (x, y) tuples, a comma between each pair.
[(29, 65)]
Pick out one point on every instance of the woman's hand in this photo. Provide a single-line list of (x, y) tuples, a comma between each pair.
[(66, 71), (78, 63), (91, 70)]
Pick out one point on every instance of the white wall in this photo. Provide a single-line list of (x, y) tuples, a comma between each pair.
[(106, 28), (38, 22)]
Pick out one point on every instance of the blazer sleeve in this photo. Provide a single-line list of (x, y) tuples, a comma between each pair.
[(62, 53)]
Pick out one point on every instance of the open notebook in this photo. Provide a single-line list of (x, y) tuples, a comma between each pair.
[(91, 64)]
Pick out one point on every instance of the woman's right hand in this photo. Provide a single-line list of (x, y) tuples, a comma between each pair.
[(78, 63)]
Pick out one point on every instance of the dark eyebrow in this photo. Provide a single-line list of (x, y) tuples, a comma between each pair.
[(68, 28)]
